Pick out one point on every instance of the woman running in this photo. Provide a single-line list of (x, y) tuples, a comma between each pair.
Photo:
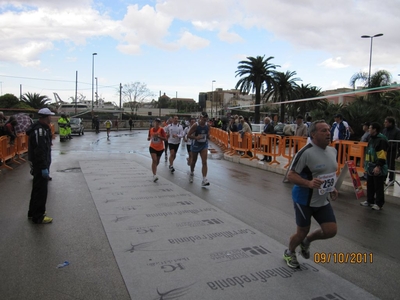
[(156, 137)]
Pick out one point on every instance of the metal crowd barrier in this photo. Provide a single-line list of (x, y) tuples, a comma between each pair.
[(392, 154)]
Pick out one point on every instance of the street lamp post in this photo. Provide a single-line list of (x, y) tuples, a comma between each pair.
[(93, 54), (97, 92), (370, 54), (212, 96)]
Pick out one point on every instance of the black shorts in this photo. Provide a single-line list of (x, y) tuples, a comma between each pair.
[(158, 152), (174, 147), (322, 214)]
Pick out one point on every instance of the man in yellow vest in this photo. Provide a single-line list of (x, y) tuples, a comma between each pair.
[(63, 127)]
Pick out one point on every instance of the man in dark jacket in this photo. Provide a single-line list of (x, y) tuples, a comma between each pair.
[(39, 154), (268, 129), (393, 134), (376, 167)]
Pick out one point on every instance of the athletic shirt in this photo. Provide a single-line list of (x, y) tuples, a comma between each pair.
[(174, 129), (314, 162), (203, 132), (155, 142)]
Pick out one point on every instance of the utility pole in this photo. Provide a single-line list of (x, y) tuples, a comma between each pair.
[(120, 95), (76, 92)]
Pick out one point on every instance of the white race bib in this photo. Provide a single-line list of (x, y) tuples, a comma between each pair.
[(329, 183), (203, 138)]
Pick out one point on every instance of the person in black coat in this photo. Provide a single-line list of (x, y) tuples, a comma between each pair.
[(268, 129)]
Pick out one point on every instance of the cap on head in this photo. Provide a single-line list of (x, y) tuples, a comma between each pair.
[(339, 116), (44, 112), (158, 120), (204, 114)]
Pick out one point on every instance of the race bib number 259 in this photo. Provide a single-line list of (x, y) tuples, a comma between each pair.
[(329, 183)]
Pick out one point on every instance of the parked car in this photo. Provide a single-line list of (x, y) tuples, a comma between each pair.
[(77, 126)]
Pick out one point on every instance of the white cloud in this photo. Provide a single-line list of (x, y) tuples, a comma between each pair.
[(192, 42), (145, 26), (333, 63), (26, 35), (230, 37)]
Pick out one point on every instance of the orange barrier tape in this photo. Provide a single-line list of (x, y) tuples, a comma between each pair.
[(267, 145)]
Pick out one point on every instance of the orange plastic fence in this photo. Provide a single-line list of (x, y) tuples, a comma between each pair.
[(240, 144), (220, 137), (350, 150), (53, 131), (290, 145), (22, 145), (267, 145), (7, 152)]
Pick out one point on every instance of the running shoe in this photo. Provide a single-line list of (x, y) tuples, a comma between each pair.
[(305, 250), (46, 220), (376, 207), (155, 178), (365, 203), (191, 175), (205, 182), (291, 259), (171, 168)]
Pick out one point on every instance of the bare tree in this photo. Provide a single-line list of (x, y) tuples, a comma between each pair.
[(135, 93)]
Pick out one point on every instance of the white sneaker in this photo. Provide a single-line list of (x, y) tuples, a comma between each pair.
[(376, 207), (155, 178), (191, 175), (365, 203), (205, 182)]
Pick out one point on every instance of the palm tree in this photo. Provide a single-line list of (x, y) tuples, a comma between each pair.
[(256, 76), (378, 79), (35, 100), (305, 92), (284, 88)]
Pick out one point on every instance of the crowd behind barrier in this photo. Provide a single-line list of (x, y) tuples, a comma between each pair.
[(275, 146)]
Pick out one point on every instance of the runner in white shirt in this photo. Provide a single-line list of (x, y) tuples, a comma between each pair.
[(174, 133)]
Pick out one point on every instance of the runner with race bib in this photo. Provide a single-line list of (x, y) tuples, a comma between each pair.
[(313, 173)]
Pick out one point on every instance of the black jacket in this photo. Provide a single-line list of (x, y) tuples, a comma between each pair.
[(39, 150)]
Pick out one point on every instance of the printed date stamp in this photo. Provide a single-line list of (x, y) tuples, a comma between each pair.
[(343, 258)]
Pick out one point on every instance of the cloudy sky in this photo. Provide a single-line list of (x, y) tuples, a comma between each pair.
[(180, 46)]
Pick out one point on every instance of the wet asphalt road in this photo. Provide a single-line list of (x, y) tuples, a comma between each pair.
[(254, 196)]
